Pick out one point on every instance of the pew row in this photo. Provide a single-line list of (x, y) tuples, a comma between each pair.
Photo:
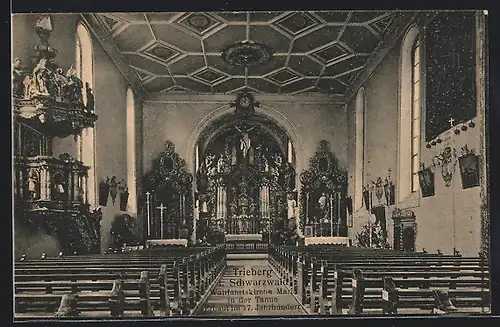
[(324, 283), (163, 286)]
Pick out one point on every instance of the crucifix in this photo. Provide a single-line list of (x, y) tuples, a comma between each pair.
[(162, 209), (451, 121)]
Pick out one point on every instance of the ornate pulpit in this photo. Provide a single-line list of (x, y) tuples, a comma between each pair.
[(50, 190)]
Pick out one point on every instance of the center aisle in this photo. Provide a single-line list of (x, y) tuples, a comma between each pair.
[(250, 288)]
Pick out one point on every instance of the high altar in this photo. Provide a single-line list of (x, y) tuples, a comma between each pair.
[(244, 176)]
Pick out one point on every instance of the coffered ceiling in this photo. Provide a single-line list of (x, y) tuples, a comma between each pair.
[(311, 52)]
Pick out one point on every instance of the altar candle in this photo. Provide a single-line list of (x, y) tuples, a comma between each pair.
[(290, 152), (197, 157)]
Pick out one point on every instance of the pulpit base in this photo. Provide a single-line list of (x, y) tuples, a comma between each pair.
[(167, 242), (336, 240)]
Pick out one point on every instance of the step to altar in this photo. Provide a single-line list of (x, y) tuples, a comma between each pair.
[(247, 256)]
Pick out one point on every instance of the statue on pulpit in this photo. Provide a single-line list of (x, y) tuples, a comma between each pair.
[(32, 184)]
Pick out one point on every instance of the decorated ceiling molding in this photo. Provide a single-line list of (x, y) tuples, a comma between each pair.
[(262, 52)]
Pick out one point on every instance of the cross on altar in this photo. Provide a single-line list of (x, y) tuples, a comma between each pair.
[(451, 121), (162, 209)]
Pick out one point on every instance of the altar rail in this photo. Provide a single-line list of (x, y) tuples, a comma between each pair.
[(246, 247)]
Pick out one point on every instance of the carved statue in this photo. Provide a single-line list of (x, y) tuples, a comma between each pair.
[(202, 179), (278, 160), (60, 81), (266, 164), (18, 75), (290, 177), (29, 87), (245, 142), (73, 89), (275, 173), (90, 97), (323, 206), (291, 206), (32, 184), (209, 159), (42, 77), (59, 186), (220, 164)]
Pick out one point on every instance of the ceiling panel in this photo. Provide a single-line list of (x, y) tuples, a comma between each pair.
[(338, 17), (316, 39), (187, 65), (275, 63), (360, 39), (298, 86), (262, 85), (182, 40), (191, 84), (229, 85), (305, 65), (331, 86), (158, 84), (345, 65), (132, 17), (263, 16), (320, 51), (270, 37), (224, 38), (133, 36), (218, 63)]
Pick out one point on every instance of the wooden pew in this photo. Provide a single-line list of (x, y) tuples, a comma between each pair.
[(421, 271), (46, 283)]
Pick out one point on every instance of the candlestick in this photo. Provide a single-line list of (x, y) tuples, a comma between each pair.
[(148, 213)]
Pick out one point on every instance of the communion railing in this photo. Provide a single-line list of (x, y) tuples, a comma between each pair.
[(50, 179)]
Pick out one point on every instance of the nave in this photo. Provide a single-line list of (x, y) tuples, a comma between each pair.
[(288, 280)]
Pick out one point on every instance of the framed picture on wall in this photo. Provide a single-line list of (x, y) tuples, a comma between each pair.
[(469, 170), (426, 179)]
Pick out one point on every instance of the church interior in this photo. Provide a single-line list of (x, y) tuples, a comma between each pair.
[(310, 140)]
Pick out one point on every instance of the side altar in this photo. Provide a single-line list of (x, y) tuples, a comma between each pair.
[(324, 200)]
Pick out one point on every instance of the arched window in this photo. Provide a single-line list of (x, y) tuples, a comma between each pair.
[(360, 149), (86, 142), (131, 153), (409, 115)]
